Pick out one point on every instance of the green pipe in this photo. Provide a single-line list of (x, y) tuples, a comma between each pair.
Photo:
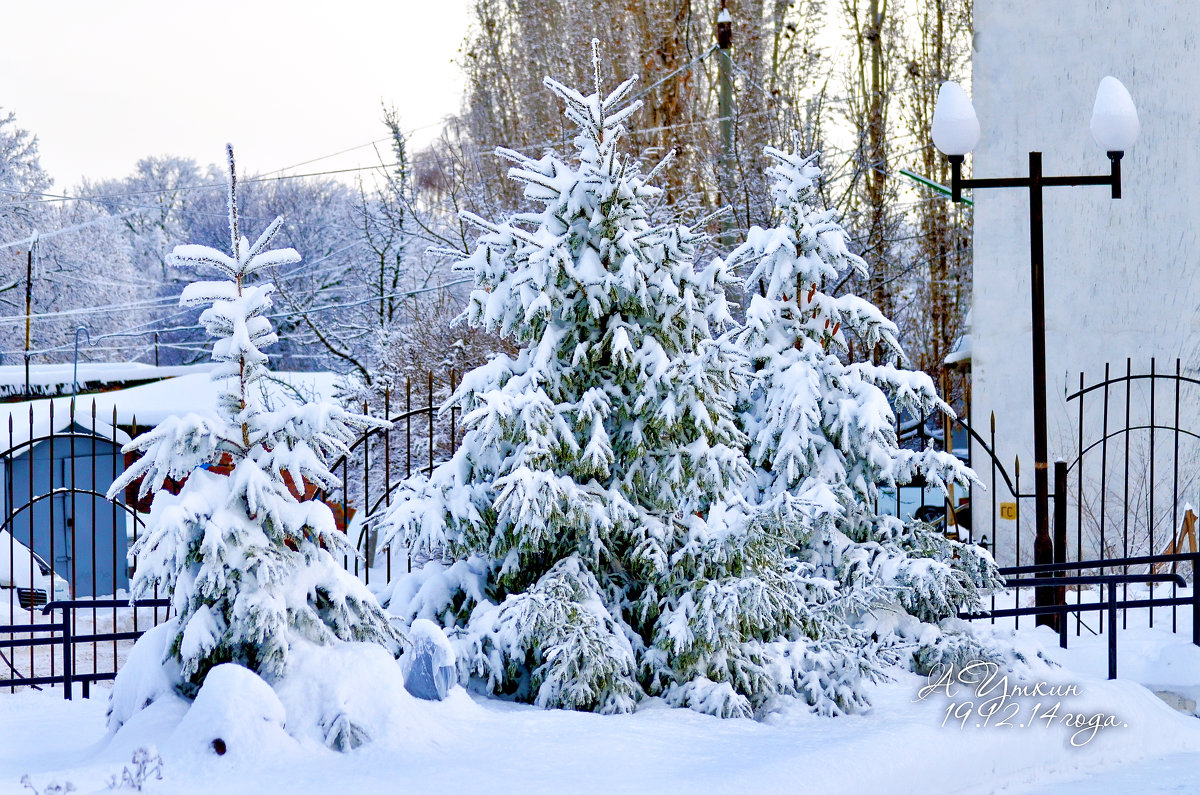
[(942, 189)]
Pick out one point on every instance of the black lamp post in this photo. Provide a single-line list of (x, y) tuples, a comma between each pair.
[(955, 132)]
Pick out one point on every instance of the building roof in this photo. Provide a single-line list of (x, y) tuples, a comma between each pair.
[(18, 425), (196, 393), (149, 404), (53, 380)]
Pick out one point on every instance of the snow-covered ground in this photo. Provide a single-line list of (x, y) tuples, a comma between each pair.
[(905, 744)]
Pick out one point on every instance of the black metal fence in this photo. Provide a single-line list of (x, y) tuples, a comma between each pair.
[(420, 437), (1137, 457), (1123, 496), (65, 614), (1057, 576), (62, 539), (1120, 503)]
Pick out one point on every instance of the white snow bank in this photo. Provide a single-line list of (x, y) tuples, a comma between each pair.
[(495, 746), (236, 714), (346, 695), (1164, 662), (145, 677)]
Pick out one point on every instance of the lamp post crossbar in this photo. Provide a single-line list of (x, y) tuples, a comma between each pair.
[(1043, 547)]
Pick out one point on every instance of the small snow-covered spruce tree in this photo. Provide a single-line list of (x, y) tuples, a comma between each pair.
[(589, 544), (248, 566), (822, 428)]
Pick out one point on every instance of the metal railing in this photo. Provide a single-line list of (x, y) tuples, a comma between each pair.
[(1059, 580), (61, 633)]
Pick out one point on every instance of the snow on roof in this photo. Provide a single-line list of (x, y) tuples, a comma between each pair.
[(16, 427), (197, 393), (50, 379), (961, 353), (151, 403)]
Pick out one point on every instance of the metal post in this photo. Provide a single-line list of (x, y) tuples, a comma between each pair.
[(28, 310), (725, 112), (1060, 543), (75, 368), (66, 644), (1195, 601), (1043, 547), (1115, 159), (1112, 630)]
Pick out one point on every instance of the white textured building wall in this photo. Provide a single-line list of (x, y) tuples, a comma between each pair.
[(1123, 276)]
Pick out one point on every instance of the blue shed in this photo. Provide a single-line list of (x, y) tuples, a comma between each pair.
[(55, 474)]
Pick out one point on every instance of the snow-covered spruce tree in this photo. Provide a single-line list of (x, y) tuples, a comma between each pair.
[(822, 428), (589, 544), (248, 567)]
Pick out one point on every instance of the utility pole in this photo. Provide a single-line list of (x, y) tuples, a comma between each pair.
[(876, 171), (725, 112), (28, 308)]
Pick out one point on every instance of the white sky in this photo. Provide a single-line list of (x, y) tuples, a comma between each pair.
[(103, 84)]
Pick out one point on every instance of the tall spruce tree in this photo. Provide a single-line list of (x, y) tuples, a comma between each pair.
[(603, 463), (589, 543), (823, 427), (248, 566)]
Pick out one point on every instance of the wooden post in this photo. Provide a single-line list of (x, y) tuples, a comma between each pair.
[(725, 112), (1188, 531)]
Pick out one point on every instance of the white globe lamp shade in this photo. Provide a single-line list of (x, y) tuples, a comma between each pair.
[(1114, 117), (955, 126)]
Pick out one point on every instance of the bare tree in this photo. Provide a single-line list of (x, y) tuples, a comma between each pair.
[(669, 43), (870, 196), (939, 49)]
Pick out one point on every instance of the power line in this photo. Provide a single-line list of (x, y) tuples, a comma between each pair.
[(326, 157), (276, 315), (175, 297), (88, 310), (108, 198), (35, 236)]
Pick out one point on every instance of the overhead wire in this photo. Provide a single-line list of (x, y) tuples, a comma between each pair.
[(112, 198), (274, 316), (275, 175)]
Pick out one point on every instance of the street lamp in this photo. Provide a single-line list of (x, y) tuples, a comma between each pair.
[(955, 132)]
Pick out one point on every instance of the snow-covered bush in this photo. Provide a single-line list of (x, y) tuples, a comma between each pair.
[(638, 508), (235, 713), (148, 674), (249, 568)]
